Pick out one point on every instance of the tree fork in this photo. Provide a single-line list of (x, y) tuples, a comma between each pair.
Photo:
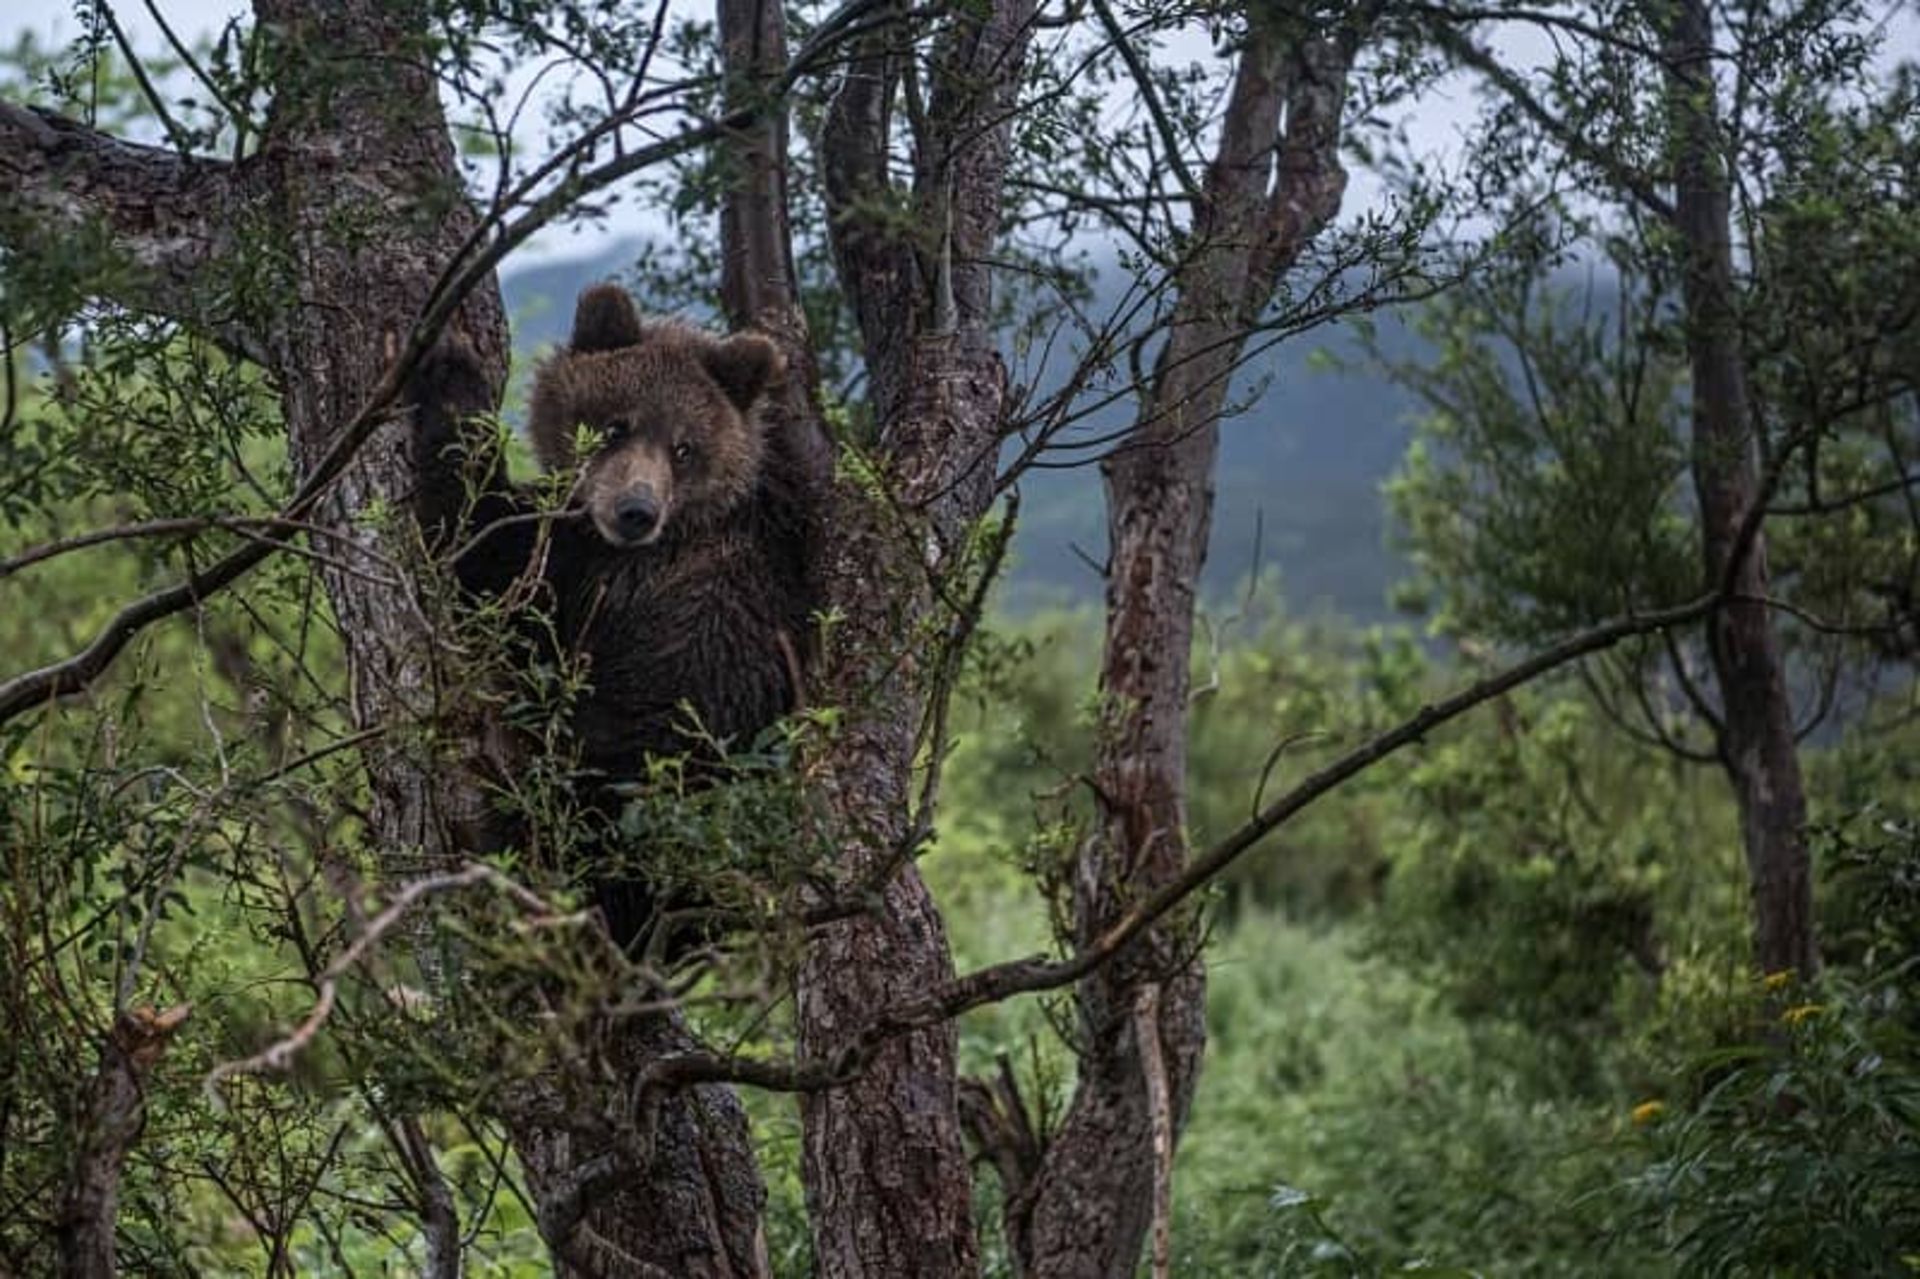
[(1274, 183)]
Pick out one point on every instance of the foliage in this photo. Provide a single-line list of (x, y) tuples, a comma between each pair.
[(1799, 1150), (1803, 1157), (1544, 492), (1442, 1069)]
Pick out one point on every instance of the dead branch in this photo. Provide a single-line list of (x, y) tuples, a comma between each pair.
[(111, 1124), (997, 1122)]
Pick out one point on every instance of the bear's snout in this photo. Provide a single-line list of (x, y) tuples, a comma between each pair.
[(630, 492), (637, 515)]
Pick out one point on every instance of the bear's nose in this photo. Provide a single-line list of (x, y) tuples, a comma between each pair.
[(637, 514)]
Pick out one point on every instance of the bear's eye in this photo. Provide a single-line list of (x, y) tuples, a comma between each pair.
[(619, 428), (682, 451)]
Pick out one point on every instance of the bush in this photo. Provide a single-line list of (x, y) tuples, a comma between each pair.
[(1804, 1157)]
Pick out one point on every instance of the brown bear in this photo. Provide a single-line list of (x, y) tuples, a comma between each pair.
[(680, 573)]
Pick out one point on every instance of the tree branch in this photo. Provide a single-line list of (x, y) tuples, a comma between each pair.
[(1033, 975), (1463, 50), (1172, 150), (759, 286), (281, 1053), (869, 257), (1310, 179), (169, 217), (178, 526)]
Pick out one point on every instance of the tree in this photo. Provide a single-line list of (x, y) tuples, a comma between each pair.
[(333, 814), (1675, 154)]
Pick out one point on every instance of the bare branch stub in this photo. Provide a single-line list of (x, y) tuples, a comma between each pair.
[(115, 1114)]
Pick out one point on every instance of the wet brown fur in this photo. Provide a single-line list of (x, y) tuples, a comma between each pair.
[(708, 619)]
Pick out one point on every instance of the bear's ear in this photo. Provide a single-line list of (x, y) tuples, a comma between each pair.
[(604, 319), (745, 365)]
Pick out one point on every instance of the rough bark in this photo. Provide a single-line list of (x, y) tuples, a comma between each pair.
[(887, 1178), (1757, 745), (687, 1205), (355, 190), (166, 219), (1142, 1025), (110, 1122)]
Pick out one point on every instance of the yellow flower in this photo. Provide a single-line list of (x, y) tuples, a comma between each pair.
[(1648, 1111), (1778, 981), (1800, 1012)]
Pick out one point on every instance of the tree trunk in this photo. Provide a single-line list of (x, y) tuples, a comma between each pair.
[(355, 201), (1104, 1178), (887, 1179), (888, 1183), (361, 145), (692, 1206), (1757, 744)]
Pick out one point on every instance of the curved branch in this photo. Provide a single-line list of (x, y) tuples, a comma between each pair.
[(179, 526), (1033, 975)]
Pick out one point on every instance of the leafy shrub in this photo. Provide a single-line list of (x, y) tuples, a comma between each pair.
[(1542, 871), (1801, 1155), (1804, 1158)]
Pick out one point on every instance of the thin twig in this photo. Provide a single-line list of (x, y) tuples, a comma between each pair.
[(281, 1053)]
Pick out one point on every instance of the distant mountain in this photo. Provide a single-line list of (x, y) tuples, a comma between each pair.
[(1303, 466)]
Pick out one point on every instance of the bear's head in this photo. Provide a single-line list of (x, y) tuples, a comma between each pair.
[(674, 412)]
